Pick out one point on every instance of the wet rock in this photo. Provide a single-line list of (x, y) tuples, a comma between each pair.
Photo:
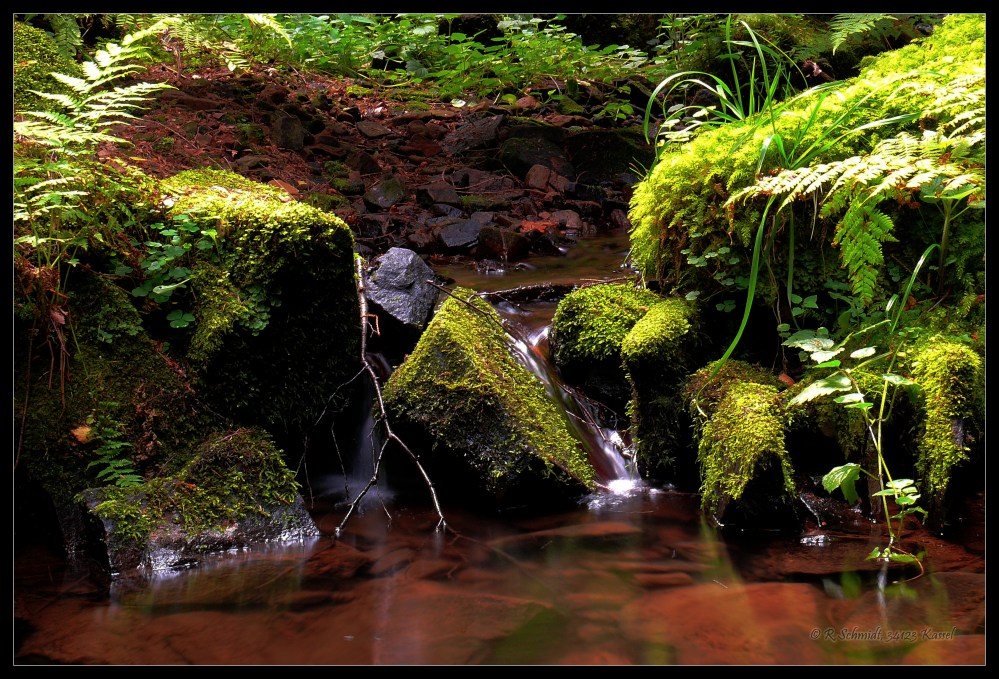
[(463, 235), (503, 244), (491, 436), (242, 513)]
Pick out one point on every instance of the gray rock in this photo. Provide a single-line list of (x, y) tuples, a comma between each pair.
[(398, 287)]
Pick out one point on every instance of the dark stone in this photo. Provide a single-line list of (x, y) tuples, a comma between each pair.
[(373, 130), (502, 244), (363, 162), (460, 236), (398, 287), (437, 193), (287, 132), (472, 135), (386, 194)]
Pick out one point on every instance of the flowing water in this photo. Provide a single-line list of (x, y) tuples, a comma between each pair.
[(632, 576)]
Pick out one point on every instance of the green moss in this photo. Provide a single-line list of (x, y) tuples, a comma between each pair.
[(657, 356), (590, 323), (684, 236), (951, 379), (278, 321), (112, 373), (232, 476), (357, 91), (743, 439), (477, 202), (36, 57), (463, 387)]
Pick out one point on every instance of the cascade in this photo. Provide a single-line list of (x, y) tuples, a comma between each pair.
[(610, 454)]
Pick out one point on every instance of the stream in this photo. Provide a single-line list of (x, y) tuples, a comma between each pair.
[(634, 576)]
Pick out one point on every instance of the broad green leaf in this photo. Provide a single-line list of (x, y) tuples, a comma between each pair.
[(828, 364), (829, 385), (843, 477), (863, 353), (855, 397), (823, 356)]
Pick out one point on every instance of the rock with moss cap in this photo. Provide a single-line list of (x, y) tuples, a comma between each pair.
[(950, 402), (658, 354), (746, 474), (487, 432), (586, 334), (236, 491), (277, 321)]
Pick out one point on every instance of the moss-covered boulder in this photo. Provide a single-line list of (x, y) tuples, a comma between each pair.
[(36, 57), (277, 326), (690, 232), (658, 354), (587, 330), (234, 492), (486, 431), (746, 472)]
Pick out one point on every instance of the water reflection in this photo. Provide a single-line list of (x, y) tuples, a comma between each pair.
[(633, 578)]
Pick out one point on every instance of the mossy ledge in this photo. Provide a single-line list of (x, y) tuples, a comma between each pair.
[(587, 330), (741, 441), (493, 435), (235, 491), (951, 379)]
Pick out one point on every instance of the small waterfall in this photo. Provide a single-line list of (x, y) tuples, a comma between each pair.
[(610, 454), (356, 453)]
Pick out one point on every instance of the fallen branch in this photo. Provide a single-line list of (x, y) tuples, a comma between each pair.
[(383, 417)]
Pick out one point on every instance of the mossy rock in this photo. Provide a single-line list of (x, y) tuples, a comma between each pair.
[(494, 437), (658, 354), (686, 236), (746, 471), (951, 400), (277, 328), (234, 492), (36, 57), (116, 393), (587, 330)]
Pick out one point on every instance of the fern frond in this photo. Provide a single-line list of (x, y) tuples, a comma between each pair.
[(845, 26), (860, 234), (268, 21)]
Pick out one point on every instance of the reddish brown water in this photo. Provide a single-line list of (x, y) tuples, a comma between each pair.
[(628, 579)]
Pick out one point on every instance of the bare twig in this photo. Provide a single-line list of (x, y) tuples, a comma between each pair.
[(390, 435)]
